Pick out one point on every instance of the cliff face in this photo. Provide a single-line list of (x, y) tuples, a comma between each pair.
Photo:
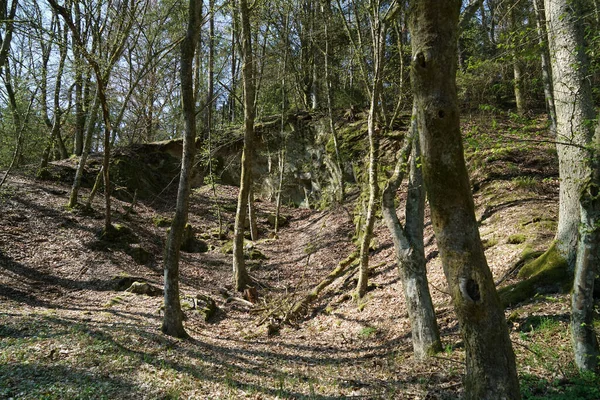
[(302, 140)]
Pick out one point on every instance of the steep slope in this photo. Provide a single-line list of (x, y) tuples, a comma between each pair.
[(69, 330)]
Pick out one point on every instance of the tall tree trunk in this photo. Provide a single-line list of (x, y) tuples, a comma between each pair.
[(517, 68), (173, 319), (89, 134), (490, 361), (241, 277), (379, 33), (210, 106), (574, 112), (585, 342), (252, 215), (19, 123), (339, 174), (410, 249), (281, 164), (8, 18), (545, 62), (234, 70), (80, 94), (56, 124), (578, 167)]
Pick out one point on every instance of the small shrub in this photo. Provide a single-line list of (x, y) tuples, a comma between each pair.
[(367, 332)]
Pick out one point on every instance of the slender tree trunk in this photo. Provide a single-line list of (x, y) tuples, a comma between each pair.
[(241, 277), (19, 123), (545, 61), (379, 33), (106, 157), (574, 113), (252, 215), (91, 124), (517, 68), (232, 114), (8, 31), (210, 106), (80, 94), (409, 247), (56, 124), (280, 185), (282, 123), (490, 361), (173, 319), (325, 7), (399, 103)]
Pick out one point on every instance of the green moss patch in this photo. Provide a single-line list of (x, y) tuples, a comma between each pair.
[(546, 274), (160, 221), (517, 238)]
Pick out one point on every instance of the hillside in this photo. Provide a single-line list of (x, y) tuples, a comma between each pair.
[(69, 330)]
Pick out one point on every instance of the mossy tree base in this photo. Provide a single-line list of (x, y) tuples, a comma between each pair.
[(549, 273)]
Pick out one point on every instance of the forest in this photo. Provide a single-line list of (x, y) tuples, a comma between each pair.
[(299, 199)]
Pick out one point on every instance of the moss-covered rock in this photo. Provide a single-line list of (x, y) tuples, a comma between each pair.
[(254, 254), (206, 306), (227, 247), (517, 238), (144, 288), (549, 273), (123, 282), (283, 220), (118, 233), (161, 222), (139, 255)]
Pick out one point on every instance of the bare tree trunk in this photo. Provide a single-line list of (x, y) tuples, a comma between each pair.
[(490, 361), (579, 208), (325, 9), (210, 106), (80, 94), (378, 31), (241, 277), (19, 123), (545, 61), (252, 215), (585, 342), (56, 124), (517, 70), (280, 185), (574, 111), (91, 123), (399, 103), (8, 32), (173, 319), (410, 253)]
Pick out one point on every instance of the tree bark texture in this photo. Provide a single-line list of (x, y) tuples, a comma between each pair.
[(490, 361), (89, 133), (173, 318), (241, 277), (517, 68), (574, 114), (579, 169), (585, 342), (545, 63), (379, 32), (409, 247)]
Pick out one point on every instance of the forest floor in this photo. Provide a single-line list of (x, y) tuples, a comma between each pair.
[(68, 331)]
